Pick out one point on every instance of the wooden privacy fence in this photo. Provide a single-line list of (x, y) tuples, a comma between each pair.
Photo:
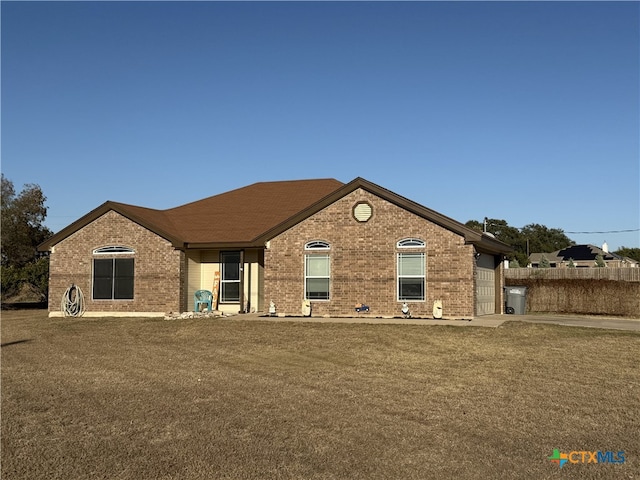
[(581, 296), (604, 273)]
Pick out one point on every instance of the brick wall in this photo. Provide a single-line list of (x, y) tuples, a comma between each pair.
[(363, 262), (159, 268)]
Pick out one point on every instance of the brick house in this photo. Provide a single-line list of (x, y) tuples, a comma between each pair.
[(316, 242)]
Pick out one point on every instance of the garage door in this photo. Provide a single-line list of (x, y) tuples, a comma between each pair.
[(485, 285)]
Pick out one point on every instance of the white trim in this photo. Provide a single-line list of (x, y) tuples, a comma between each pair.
[(317, 245), (411, 243), (326, 257), (422, 276), (114, 250), (58, 314)]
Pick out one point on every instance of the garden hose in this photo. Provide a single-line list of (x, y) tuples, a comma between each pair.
[(73, 302)]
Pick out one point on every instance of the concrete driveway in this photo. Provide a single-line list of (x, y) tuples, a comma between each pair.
[(615, 323)]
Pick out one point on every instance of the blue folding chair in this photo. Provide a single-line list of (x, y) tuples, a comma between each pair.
[(202, 297)]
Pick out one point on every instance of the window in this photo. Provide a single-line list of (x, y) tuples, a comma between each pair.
[(113, 250), (316, 271), (316, 277), (230, 277), (113, 278), (411, 276), (317, 245), (410, 243)]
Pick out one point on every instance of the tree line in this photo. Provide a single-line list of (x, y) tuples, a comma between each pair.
[(533, 238), (24, 213)]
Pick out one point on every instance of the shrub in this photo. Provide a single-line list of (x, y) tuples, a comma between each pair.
[(35, 274)]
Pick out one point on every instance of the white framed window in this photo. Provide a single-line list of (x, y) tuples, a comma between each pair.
[(113, 276), (317, 276), (114, 250), (317, 245), (411, 243), (230, 277), (411, 276), (317, 270)]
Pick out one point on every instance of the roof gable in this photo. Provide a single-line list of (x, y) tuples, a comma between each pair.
[(471, 236), (153, 220)]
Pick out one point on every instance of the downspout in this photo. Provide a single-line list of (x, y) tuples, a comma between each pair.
[(248, 309), (241, 281), (498, 282)]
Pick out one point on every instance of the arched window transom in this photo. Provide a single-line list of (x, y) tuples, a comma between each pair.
[(113, 250), (317, 245), (411, 243)]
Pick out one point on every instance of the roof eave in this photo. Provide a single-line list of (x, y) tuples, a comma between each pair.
[(490, 245), (223, 245), (98, 212)]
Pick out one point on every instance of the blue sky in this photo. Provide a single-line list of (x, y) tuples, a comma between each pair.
[(527, 112)]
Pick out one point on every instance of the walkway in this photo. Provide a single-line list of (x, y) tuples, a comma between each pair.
[(616, 323)]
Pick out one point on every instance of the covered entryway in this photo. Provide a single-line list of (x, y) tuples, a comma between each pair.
[(485, 285)]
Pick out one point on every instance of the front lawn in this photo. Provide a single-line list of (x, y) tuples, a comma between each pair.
[(236, 399)]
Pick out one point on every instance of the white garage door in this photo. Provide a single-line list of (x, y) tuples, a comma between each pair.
[(485, 285)]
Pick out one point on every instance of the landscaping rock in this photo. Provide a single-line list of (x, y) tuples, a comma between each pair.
[(185, 315)]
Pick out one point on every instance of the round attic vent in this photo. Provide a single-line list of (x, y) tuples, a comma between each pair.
[(362, 211)]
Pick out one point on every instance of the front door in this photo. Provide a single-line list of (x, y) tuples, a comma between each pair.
[(230, 277)]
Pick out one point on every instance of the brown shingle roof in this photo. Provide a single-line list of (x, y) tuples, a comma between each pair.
[(244, 214), (249, 216), (235, 217)]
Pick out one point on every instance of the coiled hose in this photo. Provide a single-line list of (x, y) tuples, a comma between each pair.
[(72, 302)]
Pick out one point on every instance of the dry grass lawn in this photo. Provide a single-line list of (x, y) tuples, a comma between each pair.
[(235, 399)]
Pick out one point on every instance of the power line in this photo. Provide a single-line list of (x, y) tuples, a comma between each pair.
[(487, 223), (610, 231)]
